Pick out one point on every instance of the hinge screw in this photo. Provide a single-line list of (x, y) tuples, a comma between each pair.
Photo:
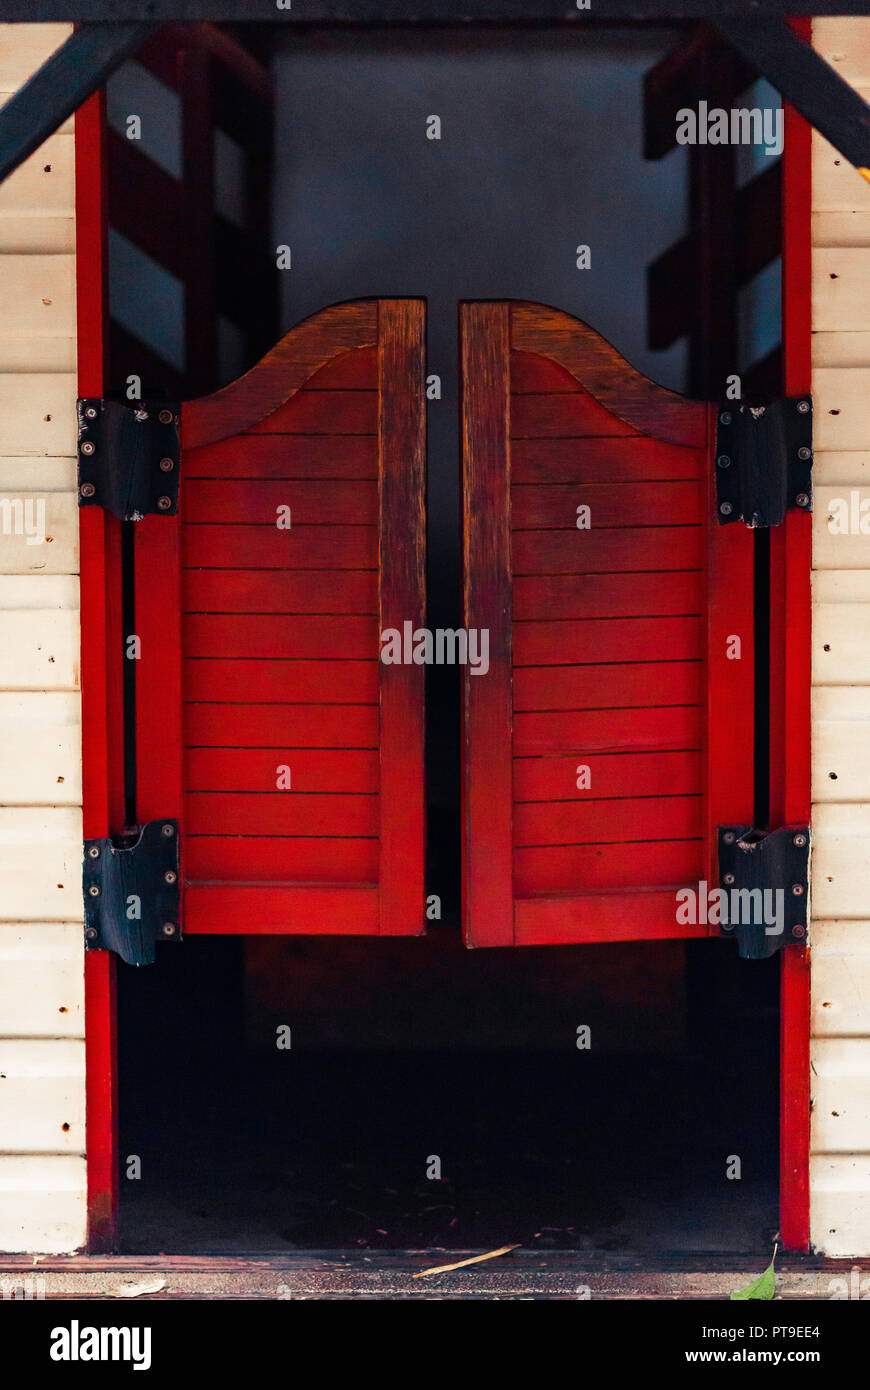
[(91, 413), (168, 830), (728, 837), (800, 841), (170, 876), (805, 453), (168, 928), (94, 890), (726, 509), (797, 889), (802, 499), (165, 417), (725, 418), (164, 503), (87, 490), (88, 447), (167, 465), (90, 933), (803, 407), (94, 852), (723, 461), (798, 930), (727, 878)]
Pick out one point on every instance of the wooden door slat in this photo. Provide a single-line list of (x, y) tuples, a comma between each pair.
[(586, 596), (597, 640), (537, 506), (280, 591), (265, 547), (261, 502), (282, 682)]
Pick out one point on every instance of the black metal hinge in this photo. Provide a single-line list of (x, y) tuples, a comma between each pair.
[(128, 457), (763, 877), (131, 892), (764, 460)]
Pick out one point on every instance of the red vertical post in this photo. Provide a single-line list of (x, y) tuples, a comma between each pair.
[(791, 561), (102, 786)]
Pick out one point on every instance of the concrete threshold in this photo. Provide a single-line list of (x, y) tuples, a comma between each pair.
[(391, 1275)]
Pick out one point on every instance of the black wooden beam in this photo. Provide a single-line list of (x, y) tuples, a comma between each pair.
[(413, 11), (64, 81), (802, 77)]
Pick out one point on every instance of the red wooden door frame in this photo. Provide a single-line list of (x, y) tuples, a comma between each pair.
[(102, 687), (102, 693), (790, 682)]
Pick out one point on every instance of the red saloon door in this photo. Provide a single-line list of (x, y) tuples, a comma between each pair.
[(613, 729), (266, 722)]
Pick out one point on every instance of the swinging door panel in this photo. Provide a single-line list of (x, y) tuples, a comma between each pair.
[(294, 757), (614, 728)]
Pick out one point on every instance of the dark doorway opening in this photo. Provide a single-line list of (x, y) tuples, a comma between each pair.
[(403, 1053)]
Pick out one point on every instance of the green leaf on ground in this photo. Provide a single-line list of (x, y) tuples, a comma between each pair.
[(762, 1287)]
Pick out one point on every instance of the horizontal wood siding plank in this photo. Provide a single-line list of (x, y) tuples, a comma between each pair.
[(39, 531), (841, 1095), (43, 1202), (841, 643), (24, 48), (840, 407), (44, 185), (40, 734), (41, 980), (579, 596), (841, 743), (42, 1098), (841, 289), (37, 413), (40, 864), (841, 968), (39, 654), (841, 853)]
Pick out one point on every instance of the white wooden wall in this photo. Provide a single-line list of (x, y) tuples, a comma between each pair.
[(42, 1063), (840, 935)]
